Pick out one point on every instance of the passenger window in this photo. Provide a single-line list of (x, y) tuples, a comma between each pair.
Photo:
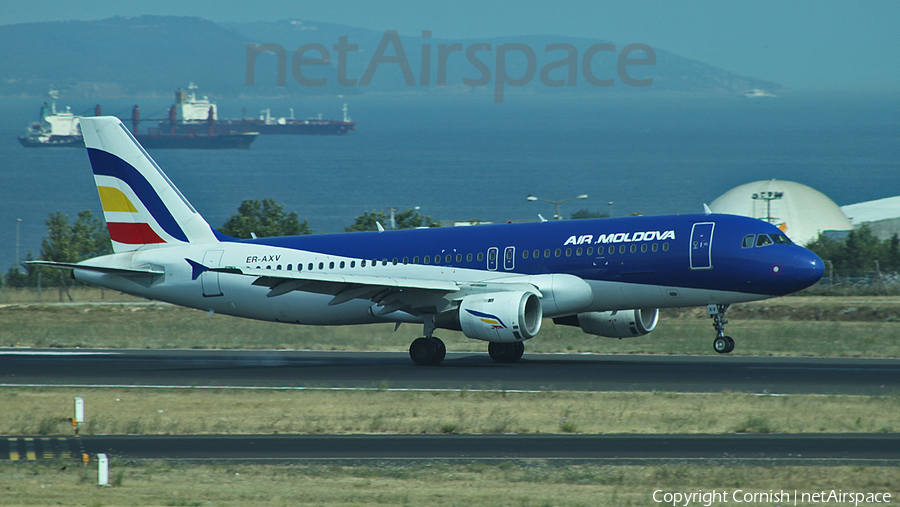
[(590, 250), (321, 266), (416, 259), (665, 247), (578, 251), (654, 247), (621, 249), (644, 248), (763, 240), (342, 264), (458, 257), (547, 253), (468, 257), (557, 253), (537, 253), (309, 267), (633, 248), (612, 250), (427, 259), (331, 265), (406, 260), (568, 252), (290, 267), (524, 254), (748, 241), (448, 258), (352, 264), (480, 256), (362, 263)]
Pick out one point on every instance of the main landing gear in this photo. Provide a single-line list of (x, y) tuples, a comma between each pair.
[(722, 344), (506, 352), (430, 351), (427, 351)]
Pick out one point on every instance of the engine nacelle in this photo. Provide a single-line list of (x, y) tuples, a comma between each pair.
[(617, 324), (496, 316)]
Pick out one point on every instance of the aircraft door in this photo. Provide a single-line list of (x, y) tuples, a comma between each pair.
[(509, 258), (492, 254), (209, 280), (701, 245)]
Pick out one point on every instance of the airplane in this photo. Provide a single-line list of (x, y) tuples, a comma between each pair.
[(495, 283)]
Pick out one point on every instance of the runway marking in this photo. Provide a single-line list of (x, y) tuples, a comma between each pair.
[(48, 448), (13, 449), (29, 449)]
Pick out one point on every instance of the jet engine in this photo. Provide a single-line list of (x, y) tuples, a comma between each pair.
[(512, 316), (615, 324)]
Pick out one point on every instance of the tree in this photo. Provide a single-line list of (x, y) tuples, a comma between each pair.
[(87, 237), (265, 219), (408, 219), (584, 213), (856, 254)]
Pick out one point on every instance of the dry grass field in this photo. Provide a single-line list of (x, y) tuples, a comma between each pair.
[(797, 326)]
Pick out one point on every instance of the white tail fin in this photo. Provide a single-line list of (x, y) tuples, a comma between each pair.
[(141, 206)]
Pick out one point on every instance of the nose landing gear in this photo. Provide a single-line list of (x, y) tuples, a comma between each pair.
[(722, 344)]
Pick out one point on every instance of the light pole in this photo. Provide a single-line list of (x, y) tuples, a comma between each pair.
[(18, 223), (557, 203)]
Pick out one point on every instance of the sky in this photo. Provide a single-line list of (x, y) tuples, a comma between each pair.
[(824, 45)]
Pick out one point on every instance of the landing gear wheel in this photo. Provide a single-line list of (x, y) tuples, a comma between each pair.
[(506, 352), (427, 351), (723, 345)]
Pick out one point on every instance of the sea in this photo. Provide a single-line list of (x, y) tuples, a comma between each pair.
[(462, 157)]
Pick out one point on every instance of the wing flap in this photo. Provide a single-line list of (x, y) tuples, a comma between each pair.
[(393, 294)]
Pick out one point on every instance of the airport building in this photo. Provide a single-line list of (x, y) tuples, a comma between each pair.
[(801, 212)]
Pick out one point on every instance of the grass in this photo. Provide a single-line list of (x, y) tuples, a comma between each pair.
[(42, 411), (838, 327), (828, 327), (534, 483)]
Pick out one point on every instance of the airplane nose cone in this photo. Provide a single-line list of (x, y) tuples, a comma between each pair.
[(805, 270)]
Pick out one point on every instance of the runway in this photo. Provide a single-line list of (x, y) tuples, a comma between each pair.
[(813, 449), (394, 370)]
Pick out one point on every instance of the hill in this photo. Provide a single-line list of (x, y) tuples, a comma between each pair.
[(152, 55)]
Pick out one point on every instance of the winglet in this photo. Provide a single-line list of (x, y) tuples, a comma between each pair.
[(706, 209), (542, 218), (197, 269), (380, 227)]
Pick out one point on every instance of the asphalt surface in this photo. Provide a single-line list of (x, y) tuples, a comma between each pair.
[(813, 449), (394, 370)]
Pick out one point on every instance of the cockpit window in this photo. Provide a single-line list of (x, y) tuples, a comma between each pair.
[(748, 241), (763, 240), (781, 239)]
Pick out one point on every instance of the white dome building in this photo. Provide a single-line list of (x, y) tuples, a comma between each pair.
[(799, 211)]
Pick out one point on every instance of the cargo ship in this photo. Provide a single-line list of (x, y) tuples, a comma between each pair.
[(191, 111), (62, 129)]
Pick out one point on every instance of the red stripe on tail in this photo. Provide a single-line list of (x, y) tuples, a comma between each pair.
[(133, 233)]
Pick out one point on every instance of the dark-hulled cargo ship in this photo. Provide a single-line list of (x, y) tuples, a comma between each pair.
[(191, 111)]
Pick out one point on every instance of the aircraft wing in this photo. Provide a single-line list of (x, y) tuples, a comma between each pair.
[(411, 295)]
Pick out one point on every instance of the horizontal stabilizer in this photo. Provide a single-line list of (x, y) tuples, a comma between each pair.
[(101, 269)]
